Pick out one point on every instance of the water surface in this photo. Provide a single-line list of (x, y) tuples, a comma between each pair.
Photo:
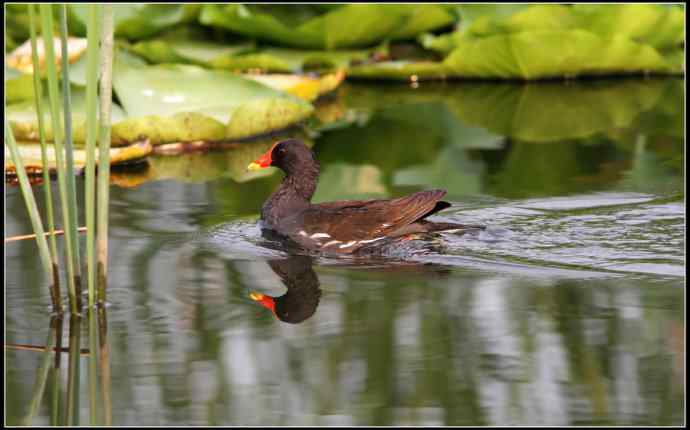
[(567, 310)]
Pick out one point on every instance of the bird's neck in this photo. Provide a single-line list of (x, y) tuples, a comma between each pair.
[(293, 195)]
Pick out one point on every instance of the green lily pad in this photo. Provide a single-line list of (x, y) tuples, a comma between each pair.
[(24, 121), (138, 21), (310, 26), (170, 103), (191, 48), (546, 41), (30, 152), (18, 86), (188, 45), (548, 54)]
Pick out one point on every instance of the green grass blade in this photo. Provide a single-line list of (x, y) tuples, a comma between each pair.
[(31, 207), (93, 367), (47, 186), (106, 87), (73, 368), (54, 95), (55, 375), (41, 378), (71, 228), (93, 26), (104, 357)]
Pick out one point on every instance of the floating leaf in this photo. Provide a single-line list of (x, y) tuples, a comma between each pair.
[(306, 26), (305, 87), (24, 121), (137, 21), (18, 86), (31, 156), (170, 103), (190, 46), (20, 58), (546, 54), (291, 60), (545, 41)]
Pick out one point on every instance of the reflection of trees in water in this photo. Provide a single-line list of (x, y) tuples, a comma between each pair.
[(405, 345)]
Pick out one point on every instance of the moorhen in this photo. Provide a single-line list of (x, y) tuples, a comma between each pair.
[(342, 227)]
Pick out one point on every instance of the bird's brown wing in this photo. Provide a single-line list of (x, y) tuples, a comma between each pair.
[(363, 220)]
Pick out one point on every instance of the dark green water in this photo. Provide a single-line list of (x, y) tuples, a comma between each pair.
[(568, 310)]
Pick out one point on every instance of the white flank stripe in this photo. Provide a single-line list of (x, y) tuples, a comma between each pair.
[(373, 240), (303, 233), (332, 242), (318, 235), (350, 243)]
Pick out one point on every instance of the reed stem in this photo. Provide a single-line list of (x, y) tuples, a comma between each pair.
[(55, 407), (104, 355), (54, 95), (91, 129), (41, 378), (73, 368), (31, 207), (71, 227), (93, 367), (47, 186), (106, 88)]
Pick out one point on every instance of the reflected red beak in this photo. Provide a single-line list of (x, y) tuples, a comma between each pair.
[(266, 301)]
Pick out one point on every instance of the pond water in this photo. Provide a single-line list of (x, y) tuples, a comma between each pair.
[(569, 309)]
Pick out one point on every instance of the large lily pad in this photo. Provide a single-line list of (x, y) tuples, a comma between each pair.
[(307, 26), (170, 103), (136, 21), (31, 156), (305, 87), (24, 121), (18, 86), (546, 41), (548, 54), (191, 46), (291, 60)]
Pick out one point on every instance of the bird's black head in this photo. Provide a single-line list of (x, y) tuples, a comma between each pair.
[(290, 155)]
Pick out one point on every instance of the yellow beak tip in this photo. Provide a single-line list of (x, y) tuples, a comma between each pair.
[(254, 166), (256, 296)]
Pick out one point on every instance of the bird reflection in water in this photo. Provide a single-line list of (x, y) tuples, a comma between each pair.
[(303, 292)]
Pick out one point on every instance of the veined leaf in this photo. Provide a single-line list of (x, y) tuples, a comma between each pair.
[(30, 153), (306, 26), (24, 122), (138, 20), (169, 103)]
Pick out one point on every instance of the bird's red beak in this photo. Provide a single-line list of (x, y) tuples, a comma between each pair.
[(266, 301), (263, 161)]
